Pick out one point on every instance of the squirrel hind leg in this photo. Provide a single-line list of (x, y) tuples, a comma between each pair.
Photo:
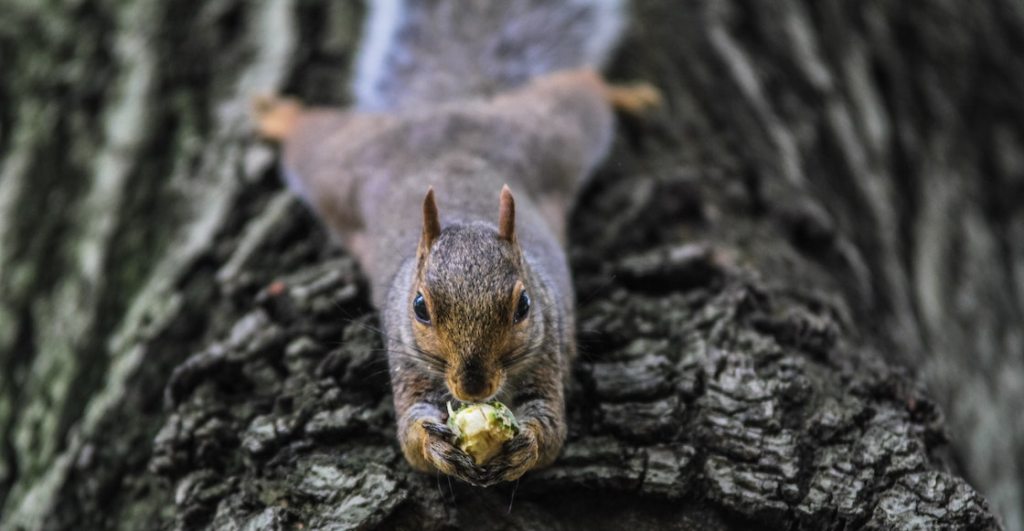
[(275, 117), (636, 99)]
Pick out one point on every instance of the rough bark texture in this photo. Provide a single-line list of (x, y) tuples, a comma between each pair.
[(833, 191)]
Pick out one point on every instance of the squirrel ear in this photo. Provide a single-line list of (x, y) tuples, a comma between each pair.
[(431, 223), (507, 215)]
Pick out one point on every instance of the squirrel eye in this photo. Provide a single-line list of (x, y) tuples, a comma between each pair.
[(523, 307), (419, 307)]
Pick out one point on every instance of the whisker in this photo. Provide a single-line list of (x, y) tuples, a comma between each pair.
[(433, 363), (513, 497), (396, 340), (519, 355), (378, 373), (514, 359), (591, 294)]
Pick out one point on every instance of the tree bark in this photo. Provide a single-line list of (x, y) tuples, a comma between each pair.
[(797, 282)]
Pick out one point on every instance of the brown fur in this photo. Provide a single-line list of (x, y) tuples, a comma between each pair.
[(470, 254)]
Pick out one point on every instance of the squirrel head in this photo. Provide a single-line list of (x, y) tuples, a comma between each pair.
[(470, 302)]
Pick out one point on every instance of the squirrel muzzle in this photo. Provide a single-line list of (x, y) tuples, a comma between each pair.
[(473, 381)]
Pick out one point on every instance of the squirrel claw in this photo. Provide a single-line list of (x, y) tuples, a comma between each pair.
[(439, 430), (518, 456), (446, 457)]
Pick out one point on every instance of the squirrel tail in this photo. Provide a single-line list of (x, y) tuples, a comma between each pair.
[(431, 51)]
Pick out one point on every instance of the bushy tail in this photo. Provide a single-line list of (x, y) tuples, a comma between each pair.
[(431, 51)]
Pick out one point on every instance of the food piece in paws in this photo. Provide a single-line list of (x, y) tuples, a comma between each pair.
[(482, 429)]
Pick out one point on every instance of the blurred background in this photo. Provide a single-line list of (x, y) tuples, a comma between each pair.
[(884, 140)]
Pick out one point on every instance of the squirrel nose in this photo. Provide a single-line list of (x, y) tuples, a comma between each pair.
[(473, 384)]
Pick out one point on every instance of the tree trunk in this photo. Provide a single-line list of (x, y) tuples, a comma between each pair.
[(795, 282)]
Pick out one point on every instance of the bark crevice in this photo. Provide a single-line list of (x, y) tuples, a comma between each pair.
[(830, 194)]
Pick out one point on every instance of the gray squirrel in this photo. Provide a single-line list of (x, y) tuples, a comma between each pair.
[(458, 103)]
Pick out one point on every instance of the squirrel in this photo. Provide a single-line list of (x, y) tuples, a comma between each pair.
[(457, 104)]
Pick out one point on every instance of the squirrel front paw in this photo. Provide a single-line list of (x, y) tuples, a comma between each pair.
[(439, 449), (519, 455)]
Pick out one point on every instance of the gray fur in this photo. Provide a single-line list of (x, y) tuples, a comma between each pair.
[(366, 175), (430, 51), (474, 103)]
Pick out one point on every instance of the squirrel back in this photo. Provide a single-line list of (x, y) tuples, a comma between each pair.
[(417, 52)]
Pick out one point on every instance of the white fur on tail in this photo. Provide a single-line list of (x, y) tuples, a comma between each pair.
[(431, 51)]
